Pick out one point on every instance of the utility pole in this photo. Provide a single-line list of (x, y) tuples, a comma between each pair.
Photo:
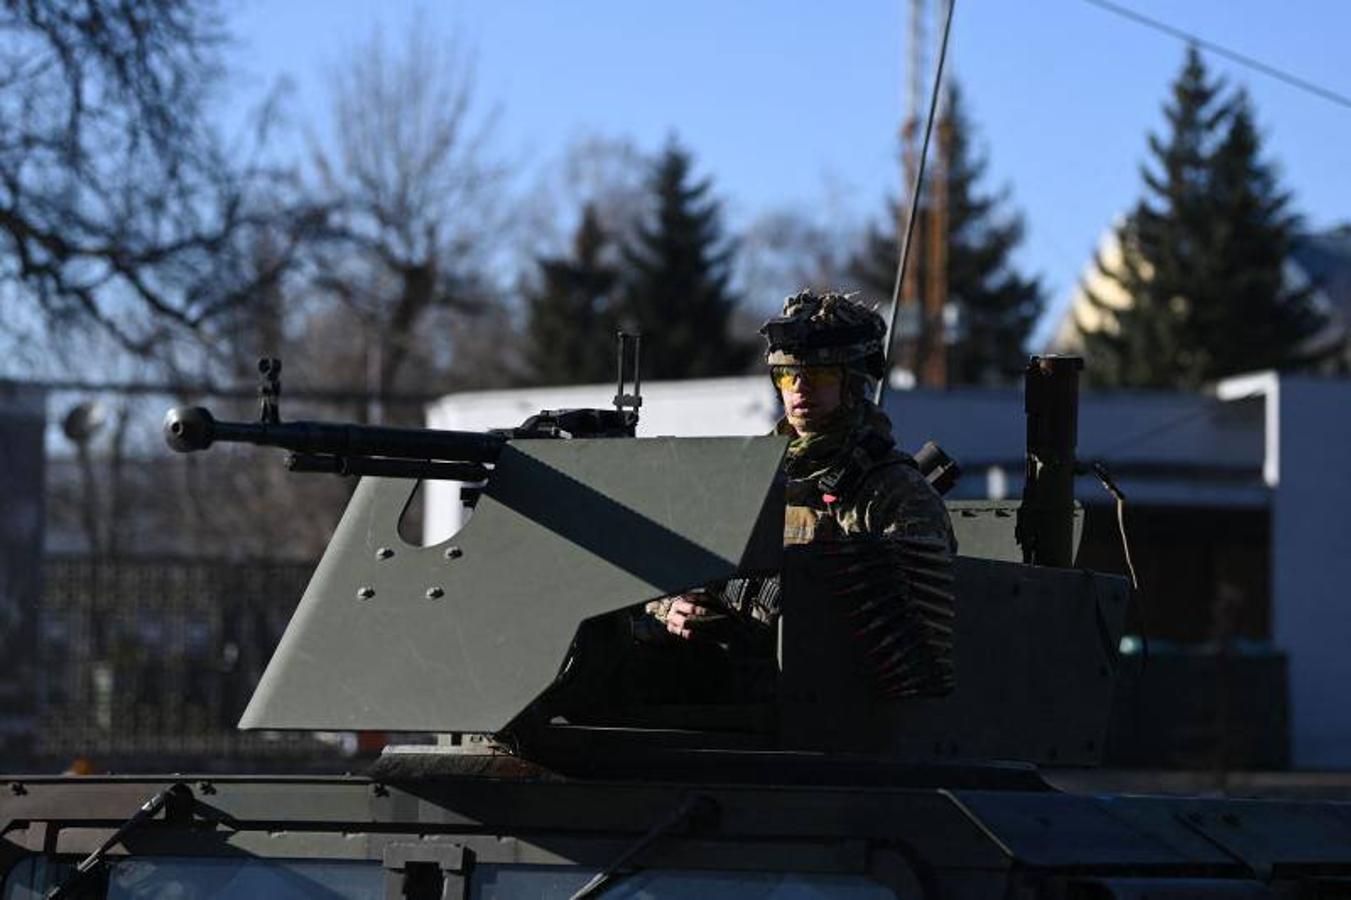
[(932, 368), (909, 355), (913, 158)]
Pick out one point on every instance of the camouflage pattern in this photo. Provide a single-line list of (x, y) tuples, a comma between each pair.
[(893, 498), (660, 609), (753, 602), (896, 500), (825, 329)]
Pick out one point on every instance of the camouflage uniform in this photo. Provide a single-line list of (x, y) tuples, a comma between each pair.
[(890, 496), (848, 478)]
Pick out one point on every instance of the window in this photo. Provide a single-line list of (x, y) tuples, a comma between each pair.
[(249, 877), (510, 882), (219, 878)]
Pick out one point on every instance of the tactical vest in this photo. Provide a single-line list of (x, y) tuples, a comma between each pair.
[(814, 503)]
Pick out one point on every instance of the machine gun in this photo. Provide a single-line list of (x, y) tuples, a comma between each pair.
[(425, 453), (417, 453), (494, 622)]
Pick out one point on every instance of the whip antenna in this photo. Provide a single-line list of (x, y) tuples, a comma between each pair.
[(914, 207)]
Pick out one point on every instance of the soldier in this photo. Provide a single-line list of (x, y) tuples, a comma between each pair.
[(845, 475)]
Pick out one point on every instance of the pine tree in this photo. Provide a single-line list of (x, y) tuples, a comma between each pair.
[(1201, 255), (676, 288), (1254, 320), (998, 306), (571, 324), (1148, 343)]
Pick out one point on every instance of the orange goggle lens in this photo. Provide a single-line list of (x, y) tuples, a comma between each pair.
[(817, 376)]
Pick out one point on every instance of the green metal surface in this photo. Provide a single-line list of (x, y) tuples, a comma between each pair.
[(394, 637), (1036, 655), (955, 843), (985, 528)]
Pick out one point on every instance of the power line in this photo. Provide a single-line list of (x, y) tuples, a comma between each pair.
[(1242, 59)]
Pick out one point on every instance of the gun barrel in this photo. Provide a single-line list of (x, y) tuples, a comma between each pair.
[(187, 429), (387, 468)]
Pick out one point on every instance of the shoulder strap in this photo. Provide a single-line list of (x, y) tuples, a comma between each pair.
[(871, 452)]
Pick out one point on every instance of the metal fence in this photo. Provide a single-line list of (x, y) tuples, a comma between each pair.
[(154, 659)]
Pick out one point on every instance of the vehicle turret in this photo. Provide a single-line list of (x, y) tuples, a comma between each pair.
[(886, 649)]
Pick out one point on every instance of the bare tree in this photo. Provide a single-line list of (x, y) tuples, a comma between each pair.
[(785, 250), (805, 244), (606, 174), (118, 206), (418, 223)]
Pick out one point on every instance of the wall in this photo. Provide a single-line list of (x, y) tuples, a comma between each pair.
[(1311, 564)]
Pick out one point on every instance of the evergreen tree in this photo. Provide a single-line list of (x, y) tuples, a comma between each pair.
[(998, 306), (571, 324), (676, 287), (1201, 255), (1150, 343), (1254, 321)]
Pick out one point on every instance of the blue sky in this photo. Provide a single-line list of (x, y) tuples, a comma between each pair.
[(779, 99)]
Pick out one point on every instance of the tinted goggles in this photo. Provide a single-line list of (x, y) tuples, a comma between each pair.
[(816, 376)]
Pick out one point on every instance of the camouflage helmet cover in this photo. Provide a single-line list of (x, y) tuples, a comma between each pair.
[(826, 329)]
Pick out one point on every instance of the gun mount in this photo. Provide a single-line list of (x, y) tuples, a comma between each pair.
[(494, 631)]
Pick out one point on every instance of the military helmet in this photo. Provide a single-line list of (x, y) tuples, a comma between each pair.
[(826, 329)]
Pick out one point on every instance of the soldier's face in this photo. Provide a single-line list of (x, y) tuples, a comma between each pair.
[(810, 394)]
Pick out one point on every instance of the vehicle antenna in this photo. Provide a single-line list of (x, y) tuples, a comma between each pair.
[(914, 206)]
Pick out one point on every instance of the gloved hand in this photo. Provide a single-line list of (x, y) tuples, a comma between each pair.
[(699, 617), (695, 616)]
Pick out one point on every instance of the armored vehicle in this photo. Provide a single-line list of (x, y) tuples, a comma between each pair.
[(887, 745)]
